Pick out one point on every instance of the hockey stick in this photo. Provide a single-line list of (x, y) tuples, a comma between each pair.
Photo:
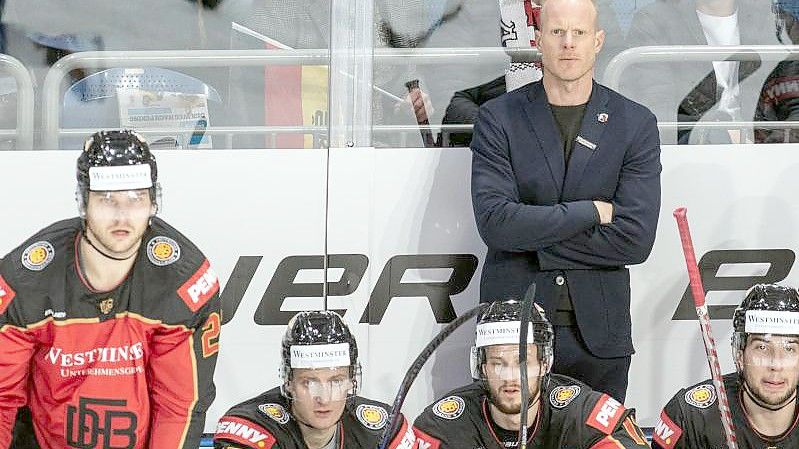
[(421, 117), (527, 305), (698, 291), (413, 371)]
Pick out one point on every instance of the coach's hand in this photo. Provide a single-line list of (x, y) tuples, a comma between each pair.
[(605, 210)]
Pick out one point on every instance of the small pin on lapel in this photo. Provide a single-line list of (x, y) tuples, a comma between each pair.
[(602, 117), (584, 142)]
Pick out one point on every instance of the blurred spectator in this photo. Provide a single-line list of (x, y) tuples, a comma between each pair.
[(699, 91), (779, 99)]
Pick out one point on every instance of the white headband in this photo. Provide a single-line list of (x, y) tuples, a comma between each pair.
[(501, 333), (320, 356), (120, 177), (771, 322)]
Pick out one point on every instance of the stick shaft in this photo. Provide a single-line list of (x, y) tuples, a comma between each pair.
[(698, 291)]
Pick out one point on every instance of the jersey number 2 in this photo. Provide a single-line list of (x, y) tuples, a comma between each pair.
[(210, 336)]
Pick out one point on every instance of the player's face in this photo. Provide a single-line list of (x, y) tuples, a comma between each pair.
[(771, 367), (116, 221), (319, 395), (501, 370), (568, 39)]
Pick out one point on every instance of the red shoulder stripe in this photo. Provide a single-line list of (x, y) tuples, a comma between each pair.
[(200, 287), (606, 414), (666, 433), (243, 431), (6, 295)]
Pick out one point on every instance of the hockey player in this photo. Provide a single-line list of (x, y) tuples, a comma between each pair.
[(562, 412), (762, 393), (316, 406), (109, 322)]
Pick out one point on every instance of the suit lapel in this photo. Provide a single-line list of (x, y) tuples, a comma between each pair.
[(542, 125), (588, 139)]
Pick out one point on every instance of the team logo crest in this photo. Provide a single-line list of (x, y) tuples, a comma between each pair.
[(162, 250), (38, 255), (702, 396), (106, 305), (450, 407), (275, 411), (561, 396), (372, 416)]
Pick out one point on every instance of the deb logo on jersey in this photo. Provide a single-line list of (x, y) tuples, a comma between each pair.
[(200, 287)]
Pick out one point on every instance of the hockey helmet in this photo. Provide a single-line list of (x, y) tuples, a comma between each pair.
[(116, 160), (499, 324), (320, 340)]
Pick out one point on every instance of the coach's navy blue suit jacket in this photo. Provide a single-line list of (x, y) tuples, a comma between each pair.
[(537, 217)]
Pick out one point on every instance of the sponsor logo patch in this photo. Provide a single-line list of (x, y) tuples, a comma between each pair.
[(38, 255), (702, 396), (162, 251), (606, 414), (200, 287), (276, 412), (666, 432), (6, 295), (561, 396), (372, 416), (242, 431), (425, 441), (450, 407)]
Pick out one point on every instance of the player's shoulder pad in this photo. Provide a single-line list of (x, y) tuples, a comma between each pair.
[(453, 405), (175, 260), (700, 396), (562, 391), (666, 432), (268, 413), (26, 268), (30, 260), (372, 415), (243, 431)]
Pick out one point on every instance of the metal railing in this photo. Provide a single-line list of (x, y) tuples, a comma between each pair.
[(51, 90), (419, 56), (694, 53), (25, 102)]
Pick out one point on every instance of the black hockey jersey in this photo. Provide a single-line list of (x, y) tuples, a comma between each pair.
[(691, 420), (570, 415), (265, 421)]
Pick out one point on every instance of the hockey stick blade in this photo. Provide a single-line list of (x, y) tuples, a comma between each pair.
[(698, 291)]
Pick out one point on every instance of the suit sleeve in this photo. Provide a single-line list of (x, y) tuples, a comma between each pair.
[(628, 239), (180, 373), (504, 222), (16, 350)]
